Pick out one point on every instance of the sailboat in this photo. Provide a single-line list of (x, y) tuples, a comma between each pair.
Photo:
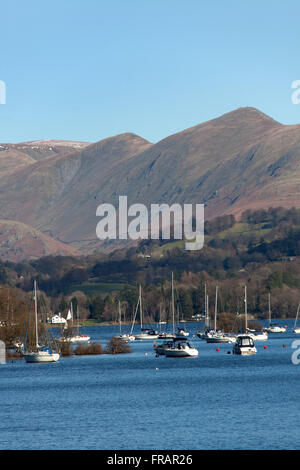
[(44, 348), (296, 328), (180, 347), (146, 333), (124, 336), (244, 344), (218, 336), (74, 335), (202, 334), (163, 334), (273, 328)]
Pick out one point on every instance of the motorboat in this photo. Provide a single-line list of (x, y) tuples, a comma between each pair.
[(180, 348), (244, 346), (160, 348)]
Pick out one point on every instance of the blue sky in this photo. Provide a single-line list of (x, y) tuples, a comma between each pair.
[(86, 70)]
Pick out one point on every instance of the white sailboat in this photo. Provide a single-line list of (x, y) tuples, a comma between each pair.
[(124, 336), (180, 347), (218, 336), (255, 335), (44, 352), (163, 334), (296, 328), (74, 337), (244, 344), (273, 328), (146, 333), (202, 334)]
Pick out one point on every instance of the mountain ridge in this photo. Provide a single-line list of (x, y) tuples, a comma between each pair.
[(242, 159)]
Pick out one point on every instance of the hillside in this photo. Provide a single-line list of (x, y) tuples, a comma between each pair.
[(243, 159), (19, 241)]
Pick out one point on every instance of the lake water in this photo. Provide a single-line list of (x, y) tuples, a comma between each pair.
[(138, 401)]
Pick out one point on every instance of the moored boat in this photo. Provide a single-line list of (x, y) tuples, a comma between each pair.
[(296, 328), (43, 348), (244, 346), (180, 348)]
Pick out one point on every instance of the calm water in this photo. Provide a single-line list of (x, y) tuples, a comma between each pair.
[(138, 401)]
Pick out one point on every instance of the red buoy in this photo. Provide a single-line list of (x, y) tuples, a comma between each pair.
[(284, 345), (218, 349), (265, 347)]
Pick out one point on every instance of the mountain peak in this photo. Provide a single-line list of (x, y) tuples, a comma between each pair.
[(247, 114)]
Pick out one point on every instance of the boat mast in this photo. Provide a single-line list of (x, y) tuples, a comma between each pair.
[(207, 309), (216, 306), (173, 312), (297, 315), (35, 317), (245, 300), (141, 310), (120, 318), (269, 308)]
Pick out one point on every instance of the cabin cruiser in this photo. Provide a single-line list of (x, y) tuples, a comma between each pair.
[(244, 345), (180, 348), (160, 348)]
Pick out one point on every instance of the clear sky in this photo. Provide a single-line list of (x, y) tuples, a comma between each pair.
[(89, 69)]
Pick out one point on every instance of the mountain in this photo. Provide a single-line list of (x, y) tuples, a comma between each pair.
[(16, 156), (19, 241), (243, 159)]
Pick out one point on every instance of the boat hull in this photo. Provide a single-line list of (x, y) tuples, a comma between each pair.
[(75, 339), (181, 352), (38, 357), (276, 329), (221, 339), (244, 351), (143, 337), (127, 338)]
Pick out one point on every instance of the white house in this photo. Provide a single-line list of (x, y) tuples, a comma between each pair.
[(58, 319)]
